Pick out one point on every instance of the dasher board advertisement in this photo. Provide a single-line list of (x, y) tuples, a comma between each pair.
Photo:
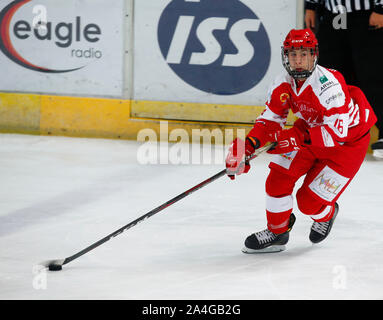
[(209, 51), (65, 47)]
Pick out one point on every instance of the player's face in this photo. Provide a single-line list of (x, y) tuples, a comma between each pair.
[(301, 59)]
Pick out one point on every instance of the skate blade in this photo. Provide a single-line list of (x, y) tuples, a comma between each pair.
[(276, 248)]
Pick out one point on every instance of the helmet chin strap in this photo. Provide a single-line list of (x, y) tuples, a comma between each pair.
[(301, 75)]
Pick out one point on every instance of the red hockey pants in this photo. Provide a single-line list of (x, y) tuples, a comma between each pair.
[(327, 171)]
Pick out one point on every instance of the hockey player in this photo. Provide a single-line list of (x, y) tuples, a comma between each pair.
[(327, 143)]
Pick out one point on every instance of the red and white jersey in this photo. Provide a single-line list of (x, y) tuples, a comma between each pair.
[(324, 104)]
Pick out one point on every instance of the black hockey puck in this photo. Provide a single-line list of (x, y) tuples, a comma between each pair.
[(55, 267)]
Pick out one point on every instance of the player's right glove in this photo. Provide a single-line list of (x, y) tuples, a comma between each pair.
[(236, 163), (292, 139)]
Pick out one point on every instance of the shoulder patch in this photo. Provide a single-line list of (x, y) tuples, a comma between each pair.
[(328, 89)]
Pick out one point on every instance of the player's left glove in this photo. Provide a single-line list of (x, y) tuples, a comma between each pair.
[(289, 140), (236, 163)]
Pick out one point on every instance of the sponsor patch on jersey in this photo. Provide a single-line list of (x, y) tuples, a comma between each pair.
[(327, 86), (328, 184), (327, 138), (323, 79), (285, 159), (334, 97), (284, 97)]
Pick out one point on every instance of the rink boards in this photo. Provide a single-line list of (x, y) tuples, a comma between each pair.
[(72, 68), (114, 118), (76, 69), (104, 118)]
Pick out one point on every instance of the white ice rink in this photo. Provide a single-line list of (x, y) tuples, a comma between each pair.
[(59, 195)]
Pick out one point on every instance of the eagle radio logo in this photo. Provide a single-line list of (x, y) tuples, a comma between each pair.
[(221, 49), (23, 41)]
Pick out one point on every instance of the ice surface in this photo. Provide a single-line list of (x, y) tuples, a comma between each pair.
[(59, 195)]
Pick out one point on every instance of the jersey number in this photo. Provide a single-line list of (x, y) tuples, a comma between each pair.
[(339, 125)]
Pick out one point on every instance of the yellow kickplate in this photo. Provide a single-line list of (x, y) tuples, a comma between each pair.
[(19, 113), (78, 116)]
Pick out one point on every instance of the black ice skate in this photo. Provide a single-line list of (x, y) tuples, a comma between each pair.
[(267, 241), (320, 230)]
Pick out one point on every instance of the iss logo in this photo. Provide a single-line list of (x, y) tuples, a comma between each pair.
[(221, 49)]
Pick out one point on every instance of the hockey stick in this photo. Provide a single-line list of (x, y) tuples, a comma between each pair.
[(55, 265)]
